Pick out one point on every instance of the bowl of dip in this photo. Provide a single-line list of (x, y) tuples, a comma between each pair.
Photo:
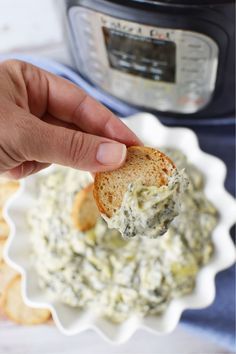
[(98, 280)]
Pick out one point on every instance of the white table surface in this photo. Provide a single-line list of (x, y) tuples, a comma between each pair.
[(36, 27), (46, 339)]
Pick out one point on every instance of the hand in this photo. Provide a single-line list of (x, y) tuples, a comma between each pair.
[(45, 119)]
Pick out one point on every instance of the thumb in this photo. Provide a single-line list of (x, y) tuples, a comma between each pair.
[(54, 144)]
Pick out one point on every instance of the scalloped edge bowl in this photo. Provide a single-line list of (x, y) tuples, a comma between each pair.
[(71, 321)]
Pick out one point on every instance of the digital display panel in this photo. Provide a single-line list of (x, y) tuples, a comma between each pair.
[(150, 58)]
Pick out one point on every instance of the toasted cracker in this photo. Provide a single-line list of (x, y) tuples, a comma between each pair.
[(3, 179), (85, 212), (17, 310), (2, 245), (4, 230), (6, 274), (1, 214), (6, 191), (149, 165)]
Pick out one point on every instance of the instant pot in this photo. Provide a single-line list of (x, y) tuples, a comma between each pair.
[(174, 57)]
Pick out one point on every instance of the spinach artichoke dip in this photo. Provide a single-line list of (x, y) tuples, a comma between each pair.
[(100, 270), (147, 211)]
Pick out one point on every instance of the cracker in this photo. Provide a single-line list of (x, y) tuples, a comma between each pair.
[(85, 212), (6, 274), (4, 230), (1, 214), (3, 179), (15, 308), (6, 191), (2, 245), (145, 163)]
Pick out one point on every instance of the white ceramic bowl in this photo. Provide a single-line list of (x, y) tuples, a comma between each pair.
[(72, 321)]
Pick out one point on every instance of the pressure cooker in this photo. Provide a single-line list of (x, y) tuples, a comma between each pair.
[(173, 57)]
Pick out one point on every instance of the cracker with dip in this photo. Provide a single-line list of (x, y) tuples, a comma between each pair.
[(143, 196)]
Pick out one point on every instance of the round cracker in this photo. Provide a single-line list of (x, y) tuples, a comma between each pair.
[(6, 275), (17, 310), (6, 191), (3, 179), (2, 245), (1, 214), (149, 165), (4, 229), (85, 212)]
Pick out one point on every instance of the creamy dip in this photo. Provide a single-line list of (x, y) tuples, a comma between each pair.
[(100, 270), (147, 211)]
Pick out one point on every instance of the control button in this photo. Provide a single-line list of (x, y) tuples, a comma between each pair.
[(194, 43), (156, 70), (90, 42), (92, 54), (192, 76), (147, 60), (139, 67), (152, 96), (191, 65), (198, 61), (193, 95), (124, 63), (192, 85), (120, 87), (186, 100), (199, 53), (186, 69), (83, 15), (88, 30), (98, 77), (164, 104), (202, 61), (96, 65), (158, 96), (190, 92)]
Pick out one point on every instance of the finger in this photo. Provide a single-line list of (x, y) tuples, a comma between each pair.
[(48, 118), (25, 169), (53, 144), (65, 101)]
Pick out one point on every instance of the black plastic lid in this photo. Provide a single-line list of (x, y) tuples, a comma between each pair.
[(174, 2)]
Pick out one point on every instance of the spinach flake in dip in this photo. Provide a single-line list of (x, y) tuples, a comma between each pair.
[(148, 210)]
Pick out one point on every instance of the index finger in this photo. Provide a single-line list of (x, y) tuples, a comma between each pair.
[(69, 103)]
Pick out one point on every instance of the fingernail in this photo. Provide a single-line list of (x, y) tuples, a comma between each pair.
[(111, 153)]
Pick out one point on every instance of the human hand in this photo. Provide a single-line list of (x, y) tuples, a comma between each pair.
[(45, 119)]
